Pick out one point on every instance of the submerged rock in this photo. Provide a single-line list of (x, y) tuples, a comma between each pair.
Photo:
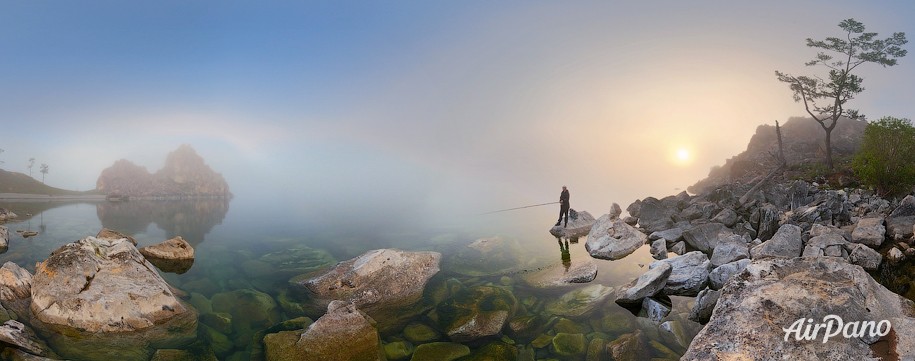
[(487, 257), (628, 347), (613, 239), (100, 299), (579, 225), (440, 351), (476, 312), (387, 284), (343, 333), (582, 270), (580, 302), (784, 291)]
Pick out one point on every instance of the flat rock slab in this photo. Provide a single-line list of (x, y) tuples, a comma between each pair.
[(647, 285), (756, 307), (613, 239)]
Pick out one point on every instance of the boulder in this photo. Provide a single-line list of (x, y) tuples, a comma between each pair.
[(689, 273), (440, 351), (900, 228), (106, 233), (628, 347), (476, 312), (670, 235), (580, 302), (630, 220), (863, 256), (100, 299), (582, 270), (869, 232), (613, 239), (250, 310), (679, 248), (827, 244), (786, 243), (894, 255), (705, 304), (765, 221), (343, 333), (729, 249), (615, 211), (655, 216), (6, 215), (387, 284), (757, 309), (174, 255), (647, 285), (15, 288), (719, 276), (579, 225), (704, 237), (634, 208), (726, 217), (659, 249), (18, 335), (906, 207), (4, 239)]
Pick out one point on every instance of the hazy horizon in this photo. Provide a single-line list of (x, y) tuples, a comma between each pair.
[(413, 108)]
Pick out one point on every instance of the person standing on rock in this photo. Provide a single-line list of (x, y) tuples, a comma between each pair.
[(563, 206)]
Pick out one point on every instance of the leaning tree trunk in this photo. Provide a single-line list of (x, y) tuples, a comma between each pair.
[(829, 150)]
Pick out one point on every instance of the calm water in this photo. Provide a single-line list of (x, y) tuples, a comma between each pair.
[(243, 245)]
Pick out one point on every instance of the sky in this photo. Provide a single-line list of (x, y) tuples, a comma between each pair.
[(417, 107)]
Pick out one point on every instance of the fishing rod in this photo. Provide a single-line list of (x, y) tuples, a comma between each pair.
[(511, 209)]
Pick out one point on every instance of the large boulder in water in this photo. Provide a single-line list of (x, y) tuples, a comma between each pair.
[(579, 225), (771, 296), (173, 255), (387, 284), (613, 239), (100, 299), (344, 333)]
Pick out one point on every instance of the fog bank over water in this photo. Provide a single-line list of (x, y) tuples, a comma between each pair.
[(385, 113)]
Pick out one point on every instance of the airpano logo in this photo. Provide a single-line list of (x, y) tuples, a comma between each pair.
[(832, 326)]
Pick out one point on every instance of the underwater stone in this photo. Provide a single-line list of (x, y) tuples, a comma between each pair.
[(440, 351), (419, 333), (581, 301), (569, 344)]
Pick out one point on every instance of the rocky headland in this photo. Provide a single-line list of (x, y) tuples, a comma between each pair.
[(185, 175)]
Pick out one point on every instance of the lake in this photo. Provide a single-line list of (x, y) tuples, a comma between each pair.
[(244, 244)]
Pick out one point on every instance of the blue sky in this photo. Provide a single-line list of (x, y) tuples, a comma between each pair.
[(475, 105)]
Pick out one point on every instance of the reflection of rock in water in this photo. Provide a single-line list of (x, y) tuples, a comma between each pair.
[(191, 219)]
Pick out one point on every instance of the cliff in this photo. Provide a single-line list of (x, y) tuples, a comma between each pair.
[(185, 175), (804, 148)]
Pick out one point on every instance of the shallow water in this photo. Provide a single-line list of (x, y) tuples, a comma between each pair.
[(254, 247)]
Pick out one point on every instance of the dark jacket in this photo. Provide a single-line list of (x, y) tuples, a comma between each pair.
[(564, 199)]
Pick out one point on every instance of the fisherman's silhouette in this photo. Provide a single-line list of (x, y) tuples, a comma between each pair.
[(564, 253)]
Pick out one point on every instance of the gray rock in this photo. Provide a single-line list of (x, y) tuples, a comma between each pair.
[(15, 288), (786, 243), (659, 249), (765, 221), (719, 276), (6, 215), (343, 333), (579, 225), (705, 304), (900, 228), (771, 295), (689, 273), (700, 210), (704, 237), (679, 248), (630, 220), (634, 208), (869, 232), (863, 256), (730, 249), (483, 311), (827, 244), (894, 255), (74, 306), (654, 310), (906, 207), (387, 284), (655, 216), (670, 235), (20, 336), (726, 217), (819, 230), (613, 239), (647, 285), (4, 239), (615, 211)]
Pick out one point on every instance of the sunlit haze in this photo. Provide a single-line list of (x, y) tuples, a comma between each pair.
[(411, 108)]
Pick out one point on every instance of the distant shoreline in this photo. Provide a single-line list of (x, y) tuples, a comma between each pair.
[(45, 197)]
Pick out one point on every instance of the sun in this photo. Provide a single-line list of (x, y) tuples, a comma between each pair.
[(683, 154)]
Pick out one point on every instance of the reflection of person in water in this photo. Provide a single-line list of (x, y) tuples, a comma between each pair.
[(565, 255)]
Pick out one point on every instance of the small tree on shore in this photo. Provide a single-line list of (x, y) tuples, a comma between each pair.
[(44, 171), (886, 160), (825, 99)]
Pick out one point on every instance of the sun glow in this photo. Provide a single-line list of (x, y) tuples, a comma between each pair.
[(683, 154)]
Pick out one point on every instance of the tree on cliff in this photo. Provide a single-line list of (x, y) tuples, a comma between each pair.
[(824, 99), (44, 171), (886, 159)]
